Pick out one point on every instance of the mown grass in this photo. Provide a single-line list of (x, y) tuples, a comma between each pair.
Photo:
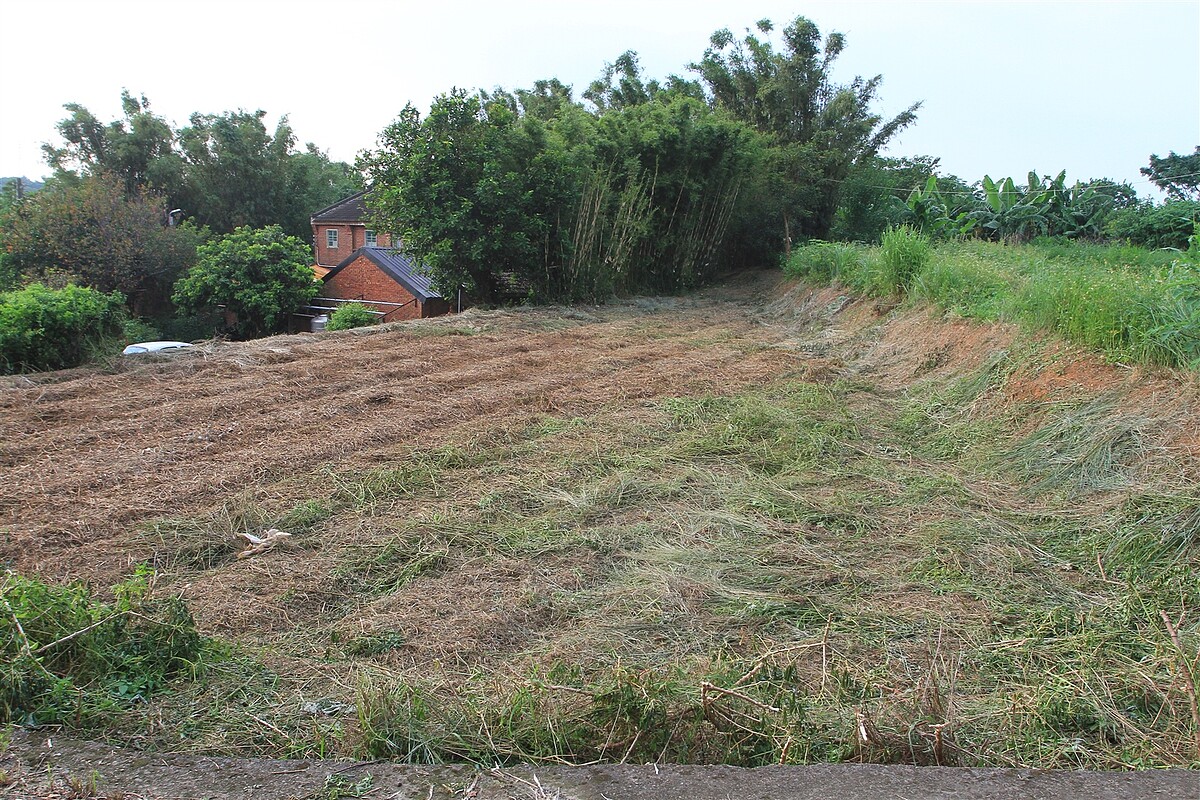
[(1134, 305), (801, 572)]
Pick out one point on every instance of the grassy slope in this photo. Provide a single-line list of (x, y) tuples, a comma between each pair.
[(950, 563), (927, 542), (1133, 304)]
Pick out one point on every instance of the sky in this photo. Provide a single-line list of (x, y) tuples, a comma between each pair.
[(1006, 87)]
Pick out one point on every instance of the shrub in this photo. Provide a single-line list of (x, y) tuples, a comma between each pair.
[(1167, 225), (42, 328), (351, 315), (139, 330), (259, 276), (66, 655)]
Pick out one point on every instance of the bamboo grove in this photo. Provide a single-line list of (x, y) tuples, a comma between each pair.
[(637, 186)]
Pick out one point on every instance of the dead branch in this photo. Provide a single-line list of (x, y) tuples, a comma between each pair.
[(706, 687), (1189, 682)]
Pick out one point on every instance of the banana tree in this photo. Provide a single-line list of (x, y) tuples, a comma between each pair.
[(1010, 213), (934, 213)]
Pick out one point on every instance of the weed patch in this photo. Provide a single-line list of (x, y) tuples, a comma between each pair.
[(69, 657)]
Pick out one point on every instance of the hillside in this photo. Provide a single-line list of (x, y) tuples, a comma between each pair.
[(764, 523), (26, 184)]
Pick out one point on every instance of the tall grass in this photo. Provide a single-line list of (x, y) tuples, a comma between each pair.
[(1132, 304)]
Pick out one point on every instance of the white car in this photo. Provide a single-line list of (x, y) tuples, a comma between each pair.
[(154, 347)]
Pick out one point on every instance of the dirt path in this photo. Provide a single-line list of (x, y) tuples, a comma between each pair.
[(47, 768)]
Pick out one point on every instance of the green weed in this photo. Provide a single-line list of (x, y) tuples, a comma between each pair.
[(68, 656)]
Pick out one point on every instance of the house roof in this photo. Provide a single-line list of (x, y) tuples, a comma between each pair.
[(348, 209), (397, 266)]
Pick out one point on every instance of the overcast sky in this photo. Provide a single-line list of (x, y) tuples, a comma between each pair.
[(1090, 87)]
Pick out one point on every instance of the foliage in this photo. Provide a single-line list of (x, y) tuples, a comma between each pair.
[(42, 329), (1177, 175), (651, 186), (139, 149), (223, 170), (259, 276), (67, 656), (1010, 212), (873, 196), (240, 175), (1170, 224), (351, 315), (95, 233), (560, 204), (473, 191), (823, 129)]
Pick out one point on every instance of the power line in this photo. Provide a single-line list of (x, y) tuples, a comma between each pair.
[(973, 193)]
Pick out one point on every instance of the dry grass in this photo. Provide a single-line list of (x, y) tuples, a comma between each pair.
[(641, 534)]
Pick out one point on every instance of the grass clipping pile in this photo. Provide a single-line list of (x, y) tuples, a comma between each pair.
[(751, 527)]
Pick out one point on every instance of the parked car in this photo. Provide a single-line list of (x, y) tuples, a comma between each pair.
[(154, 347)]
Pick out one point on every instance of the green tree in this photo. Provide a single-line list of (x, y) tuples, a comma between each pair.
[(874, 193), (822, 129), (138, 150), (564, 203), (1177, 175), (475, 191), (223, 170), (260, 276), (95, 233), (237, 172)]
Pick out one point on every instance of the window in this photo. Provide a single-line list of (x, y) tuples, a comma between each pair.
[(331, 236), (372, 239)]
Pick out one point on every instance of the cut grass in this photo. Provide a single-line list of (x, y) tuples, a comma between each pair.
[(745, 579), (801, 571)]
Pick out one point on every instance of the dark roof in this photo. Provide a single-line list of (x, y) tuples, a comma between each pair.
[(348, 209), (396, 265)]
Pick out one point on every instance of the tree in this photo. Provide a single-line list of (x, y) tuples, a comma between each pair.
[(822, 129), (259, 275), (223, 170), (475, 191), (874, 193), (237, 172), (1178, 176), (95, 233), (137, 150)]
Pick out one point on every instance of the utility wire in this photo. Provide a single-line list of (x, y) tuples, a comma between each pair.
[(973, 193)]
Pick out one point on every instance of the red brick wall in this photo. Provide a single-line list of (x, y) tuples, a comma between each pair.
[(325, 255), (362, 280), (350, 238)]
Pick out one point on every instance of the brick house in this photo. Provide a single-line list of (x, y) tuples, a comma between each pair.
[(357, 264), (386, 280), (340, 229)]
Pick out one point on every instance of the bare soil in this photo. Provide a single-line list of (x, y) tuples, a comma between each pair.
[(50, 768)]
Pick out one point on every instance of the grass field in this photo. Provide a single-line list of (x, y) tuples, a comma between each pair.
[(768, 524)]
